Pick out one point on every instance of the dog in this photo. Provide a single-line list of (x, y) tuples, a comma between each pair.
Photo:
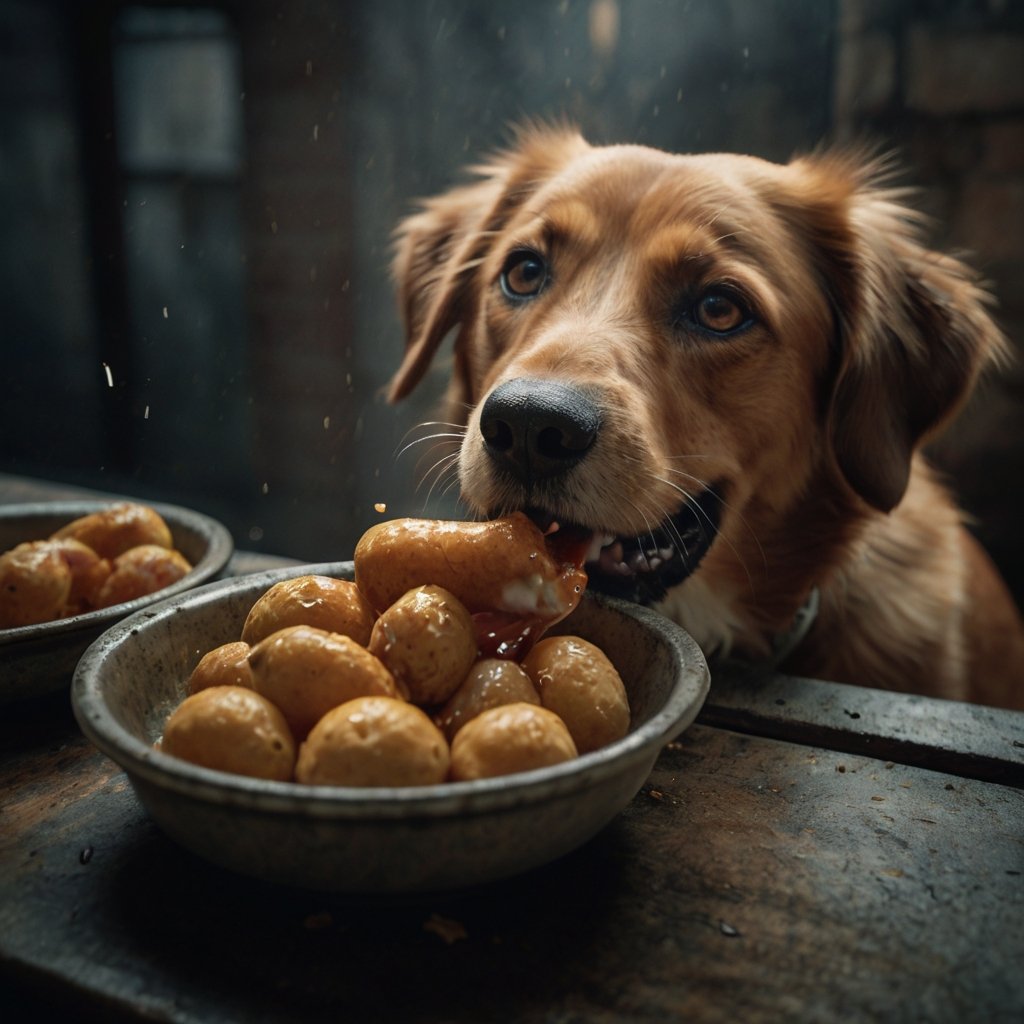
[(722, 369)]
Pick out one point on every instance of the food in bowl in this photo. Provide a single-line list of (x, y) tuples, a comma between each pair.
[(509, 739), (396, 840), (98, 560), (490, 683), (374, 741), (427, 641), (306, 671), (576, 680), (227, 665), (311, 600), (359, 714), (232, 729)]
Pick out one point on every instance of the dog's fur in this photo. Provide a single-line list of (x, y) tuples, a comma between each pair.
[(857, 343)]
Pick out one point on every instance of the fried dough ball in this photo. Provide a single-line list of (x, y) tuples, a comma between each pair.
[(306, 671), (112, 531), (35, 584), (576, 680), (374, 741), (491, 682), (231, 729), (511, 738), (140, 571), (334, 605), (427, 641), (227, 665)]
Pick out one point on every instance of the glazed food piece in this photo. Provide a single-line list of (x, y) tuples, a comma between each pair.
[(112, 531), (334, 605), (373, 741), (508, 739), (227, 665), (231, 729), (89, 572), (502, 565), (307, 671), (491, 682), (35, 584), (427, 641), (141, 570), (576, 680)]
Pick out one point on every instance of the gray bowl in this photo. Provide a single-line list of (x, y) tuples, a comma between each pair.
[(393, 840), (40, 659)]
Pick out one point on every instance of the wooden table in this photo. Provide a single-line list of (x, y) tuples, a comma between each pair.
[(805, 852)]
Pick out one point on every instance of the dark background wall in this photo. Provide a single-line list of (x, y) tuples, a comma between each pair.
[(196, 203)]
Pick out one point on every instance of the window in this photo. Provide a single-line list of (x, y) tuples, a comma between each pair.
[(178, 126)]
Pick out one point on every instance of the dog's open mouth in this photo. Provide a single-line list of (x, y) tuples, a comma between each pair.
[(640, 568)]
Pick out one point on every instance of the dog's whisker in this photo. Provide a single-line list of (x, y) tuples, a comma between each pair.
[(682, 474), (439, 470), (437, 440), (695, 504), (703, 484), (456, 433)]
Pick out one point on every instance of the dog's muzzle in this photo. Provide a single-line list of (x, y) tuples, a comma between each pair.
[(535, 431)]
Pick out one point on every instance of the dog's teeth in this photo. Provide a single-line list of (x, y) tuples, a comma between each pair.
[(638, 561), (611, 560), (597, 542), (665, 554)]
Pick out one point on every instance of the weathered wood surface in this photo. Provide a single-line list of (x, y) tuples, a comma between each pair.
[(751, 879), (807, 852), (949, 736)]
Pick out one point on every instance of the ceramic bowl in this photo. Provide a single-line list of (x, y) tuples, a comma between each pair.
[(40, 659), (386, 840)]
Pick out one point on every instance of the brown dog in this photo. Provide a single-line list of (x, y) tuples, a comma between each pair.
[(723, 368)]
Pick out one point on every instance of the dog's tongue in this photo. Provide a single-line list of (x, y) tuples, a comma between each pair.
[(568, 543)]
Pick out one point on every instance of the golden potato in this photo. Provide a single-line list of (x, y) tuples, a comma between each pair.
[(427, 641), (227, 665), (576, 680), (335, 605), (88, 574), (373, 741), (508, 739), (501, 565), (491, 682), (35, 584), (112, 531), (306, 671), (140, 571), (231, 729)]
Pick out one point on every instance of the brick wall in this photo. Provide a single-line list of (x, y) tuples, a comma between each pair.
[(297, 203), (942, 81)]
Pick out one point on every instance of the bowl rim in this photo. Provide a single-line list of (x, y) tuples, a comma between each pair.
[(219, 549), (481, 796)]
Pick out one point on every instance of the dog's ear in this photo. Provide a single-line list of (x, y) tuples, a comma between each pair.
[(913, 326), (440, 248)]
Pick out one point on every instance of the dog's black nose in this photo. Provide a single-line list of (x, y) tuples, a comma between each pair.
[(538, 428)]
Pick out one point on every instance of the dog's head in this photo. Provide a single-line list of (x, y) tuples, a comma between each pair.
[(662, 348)]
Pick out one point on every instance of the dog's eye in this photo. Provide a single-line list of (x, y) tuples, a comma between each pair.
[(523, 275), (720, 312)]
